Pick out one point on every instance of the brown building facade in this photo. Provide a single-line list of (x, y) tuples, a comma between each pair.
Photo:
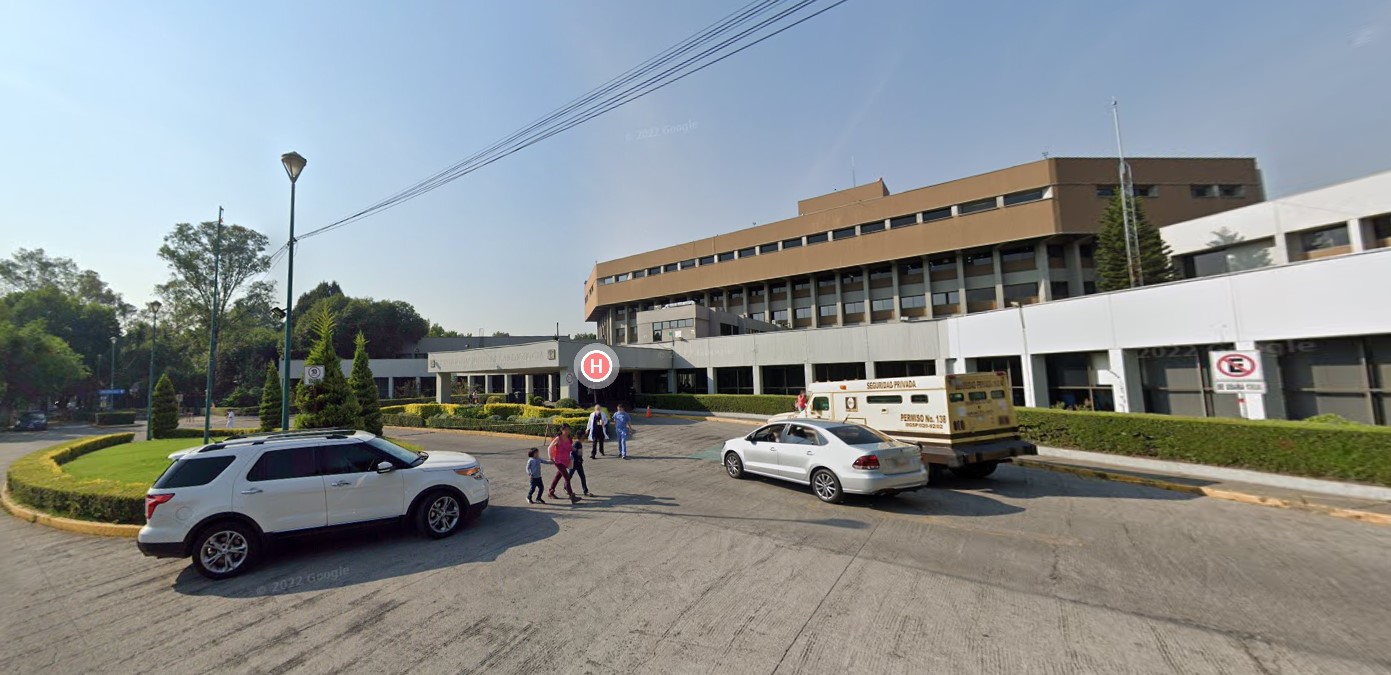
[(1018, 235)]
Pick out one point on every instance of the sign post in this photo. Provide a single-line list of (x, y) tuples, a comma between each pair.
[(1238, 372)]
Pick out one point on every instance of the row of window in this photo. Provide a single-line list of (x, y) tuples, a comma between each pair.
[(1197, 191), (840, 234)]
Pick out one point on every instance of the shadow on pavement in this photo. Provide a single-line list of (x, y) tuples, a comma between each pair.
[(1022, 483), (361, 556)]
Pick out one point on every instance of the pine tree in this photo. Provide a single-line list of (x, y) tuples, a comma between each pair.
[(365, 389), (330, 403), (1154, 263), (164, 417), (270, 399)]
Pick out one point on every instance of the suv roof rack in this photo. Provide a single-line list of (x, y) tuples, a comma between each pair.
[(257, 439)]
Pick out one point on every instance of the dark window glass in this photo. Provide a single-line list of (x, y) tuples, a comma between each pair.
[(1231, 190), (756, 292), (638, 274), (1022, 197), (1144, 190), (1015, 254), (914, 267), (1024, 293), (746, 252), (283, 464), (856, 307), (688, 264), (947, 298), (1055, 250), (1059, 289), (1088, 287), (997, 393), (1381, 227), (816, 238), (1200, 191), (779, 288), (1105, 190), (653, 271), (884, 400), (913, 301), (1085, 251), (1327, 238), (937, 214), (707, 260), (904, 221), (769, 434), (956, 397), (857, 435), (942, 264), (605, 281), (872, 227), (843, 233), (983, 259), (351, 458), (881, 273), (977, 396), (669, 268), (791, 243), (980, 295), (826, 282), (768, 248), (726, 256), (919, 398), (801, 285), (976, 206), (821, 403), (193, 472)]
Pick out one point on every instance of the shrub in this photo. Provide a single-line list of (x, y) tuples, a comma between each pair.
[(402, 420), (496, 399), (113, 418), (365, 389), (165, 415), (764, 404), (214, 432), (1354, 452), (567, 402), (38, 480), (403, 401), (536, 400), (503, 409), (1331, 418), (271, 400), (329, 404), (426, 410)]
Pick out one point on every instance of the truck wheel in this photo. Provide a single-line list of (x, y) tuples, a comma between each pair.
[(977, 470), (935, 472)]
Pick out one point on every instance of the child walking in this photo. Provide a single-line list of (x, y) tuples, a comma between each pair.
[(533, 471)]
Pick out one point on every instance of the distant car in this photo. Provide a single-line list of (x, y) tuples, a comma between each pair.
[(32, 421), (834, 458), (223, 503)]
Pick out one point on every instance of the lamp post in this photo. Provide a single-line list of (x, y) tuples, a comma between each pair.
[(294, 164), (150, 395), (112, 384), (1026, 360), (212, 330)]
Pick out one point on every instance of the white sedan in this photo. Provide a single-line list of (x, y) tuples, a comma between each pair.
[(834, 458)]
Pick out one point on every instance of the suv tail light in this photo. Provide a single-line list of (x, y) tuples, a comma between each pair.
[(867, 463), (151, 501)]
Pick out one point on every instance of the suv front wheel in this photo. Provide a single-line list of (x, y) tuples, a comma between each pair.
[(440, 514), (225, 549)]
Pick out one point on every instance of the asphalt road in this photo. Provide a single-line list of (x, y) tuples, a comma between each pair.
[(675, 568)]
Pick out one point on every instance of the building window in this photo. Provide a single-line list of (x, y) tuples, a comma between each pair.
[(817, 238), (779, 315), (670, 268), (981, 260), (624, 277), (1088, 288), (914, 266), (728, 329), (881, 274), (1231, 191), (801, 285), (803, 313), (746, 252), (1145, 190), (638, 274), (1058, 289), (885, 369), (1381, 229), (736, 298), (1202, 191), (1072, 382), (976, 206), (1024, 197), (1085, 252), (726, 256), (787, 380), (605, 281), (688, 264), (867, 228), (937, 214), (1329, 237), (791, 243), (849, 278), (904, 221), (912, 301), (738, 380), (826, 282), (857, 307), (843, 233), (1350, 377), (768, 248), (779, 288), (707, 260), (942, 264), (1013, 366), (1021, 254), (975, 296), (756, 292), (756, 316), (653, 271), (828, 310), (881, 305), (1105, 190), (947, 298), (838, 372), (1024, 294)]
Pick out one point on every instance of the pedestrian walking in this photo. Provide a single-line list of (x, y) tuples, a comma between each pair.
[(802, 404), (533, 472), (597, 431), (560, 449), (231, 418), (577, 466), (621, 421)]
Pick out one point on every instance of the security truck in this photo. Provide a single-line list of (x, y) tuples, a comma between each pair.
[(963, 422)]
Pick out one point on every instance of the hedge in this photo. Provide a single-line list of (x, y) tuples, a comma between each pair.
[(402, 420), (114, 418), (1315, 450), (185, 432), (38, 480), (530, 428), (405, 401), (763, 404)]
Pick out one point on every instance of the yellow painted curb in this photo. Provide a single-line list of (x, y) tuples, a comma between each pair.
[(1227, 495), (59, 523)]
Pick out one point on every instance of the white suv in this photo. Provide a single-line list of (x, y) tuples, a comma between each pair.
[(223, 503)]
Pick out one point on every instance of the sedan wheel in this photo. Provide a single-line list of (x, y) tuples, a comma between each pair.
[(733, 466), (440, 515), (826, 486), (224, 550)]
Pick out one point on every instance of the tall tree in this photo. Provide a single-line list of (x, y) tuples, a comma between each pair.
[(437, 330), (189, 252), (325, 289), (1153, 260), (364, 388), (31, 270), (34, 364), (330, 403), (164, 416), (391, 326), (270, 398)]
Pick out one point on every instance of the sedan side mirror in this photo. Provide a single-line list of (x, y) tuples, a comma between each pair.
[(385, 467)]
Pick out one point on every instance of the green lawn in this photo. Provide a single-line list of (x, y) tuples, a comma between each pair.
[(143, 461)]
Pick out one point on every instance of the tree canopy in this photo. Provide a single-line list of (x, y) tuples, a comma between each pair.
[(1153, 260)]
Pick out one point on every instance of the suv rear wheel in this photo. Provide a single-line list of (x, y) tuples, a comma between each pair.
[(225, 549), (441, 513)]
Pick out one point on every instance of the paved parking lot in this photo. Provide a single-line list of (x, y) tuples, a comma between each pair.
[(675, 568)]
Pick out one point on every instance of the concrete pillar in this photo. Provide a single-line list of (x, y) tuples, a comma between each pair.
[(1034, 370), (530, 390), (869, 370), (390, 386), (566, 389), (808, 373), (767, 302), (1072, 257), (757, 379), (927, 293), (840, 300), (898, 308), (553, 386), (1045, 273), (868, 313), (1357, 236), (671, 380), (998, 275), (443, 384), (1124, 378), (709, 379), (961, 283)]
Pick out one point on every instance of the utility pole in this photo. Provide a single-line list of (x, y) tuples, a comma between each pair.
[(212, 332), (1127, 188)]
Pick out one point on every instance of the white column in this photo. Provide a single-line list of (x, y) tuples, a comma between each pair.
[(757, 379), (1034, 370), (443, 385), (671, 380), (1124, 378), (808, 373), (709, 379), (567, 390), (840, 301), (898, 308), (530, 390), (390, 386), (1267, 406), (869, 369), (1357, 236)]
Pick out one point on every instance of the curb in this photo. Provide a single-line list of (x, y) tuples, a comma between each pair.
[(1228, 495), (59, 523)]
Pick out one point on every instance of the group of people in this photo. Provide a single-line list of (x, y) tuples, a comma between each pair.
[(567, 453)]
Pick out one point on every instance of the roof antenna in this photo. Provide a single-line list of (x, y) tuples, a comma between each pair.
[(853, 182)]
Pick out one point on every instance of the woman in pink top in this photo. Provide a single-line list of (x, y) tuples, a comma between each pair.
[(560, 449)]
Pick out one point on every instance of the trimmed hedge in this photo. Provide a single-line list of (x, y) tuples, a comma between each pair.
[(531, 427), (762, 404), (402, 420), (1333, 451), (406, 401), (107, 419), (503, 410), (38, 480), (213, 432)]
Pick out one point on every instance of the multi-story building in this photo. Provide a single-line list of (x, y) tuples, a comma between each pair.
[(861, 256)]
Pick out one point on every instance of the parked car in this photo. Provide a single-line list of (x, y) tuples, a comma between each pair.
[(222, 503), (32, 421), (834, 458)]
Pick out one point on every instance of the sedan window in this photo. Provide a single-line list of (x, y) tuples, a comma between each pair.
[(799, 435), (768, 434), (852, 434)]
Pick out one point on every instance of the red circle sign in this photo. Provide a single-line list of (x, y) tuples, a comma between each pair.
[(1236, 365), (596, 366)]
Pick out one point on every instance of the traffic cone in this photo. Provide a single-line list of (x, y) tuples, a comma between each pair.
[(649, 410)]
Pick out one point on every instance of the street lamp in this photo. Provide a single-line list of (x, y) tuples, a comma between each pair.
[(294, 164), (150, 395), (112, 384)]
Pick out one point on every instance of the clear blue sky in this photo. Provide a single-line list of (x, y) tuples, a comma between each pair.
[(121, 119)]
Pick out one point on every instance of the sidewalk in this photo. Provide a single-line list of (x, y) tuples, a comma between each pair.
[(1355, 501)]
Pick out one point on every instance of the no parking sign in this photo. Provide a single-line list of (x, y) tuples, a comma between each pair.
[(1237, 372)]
